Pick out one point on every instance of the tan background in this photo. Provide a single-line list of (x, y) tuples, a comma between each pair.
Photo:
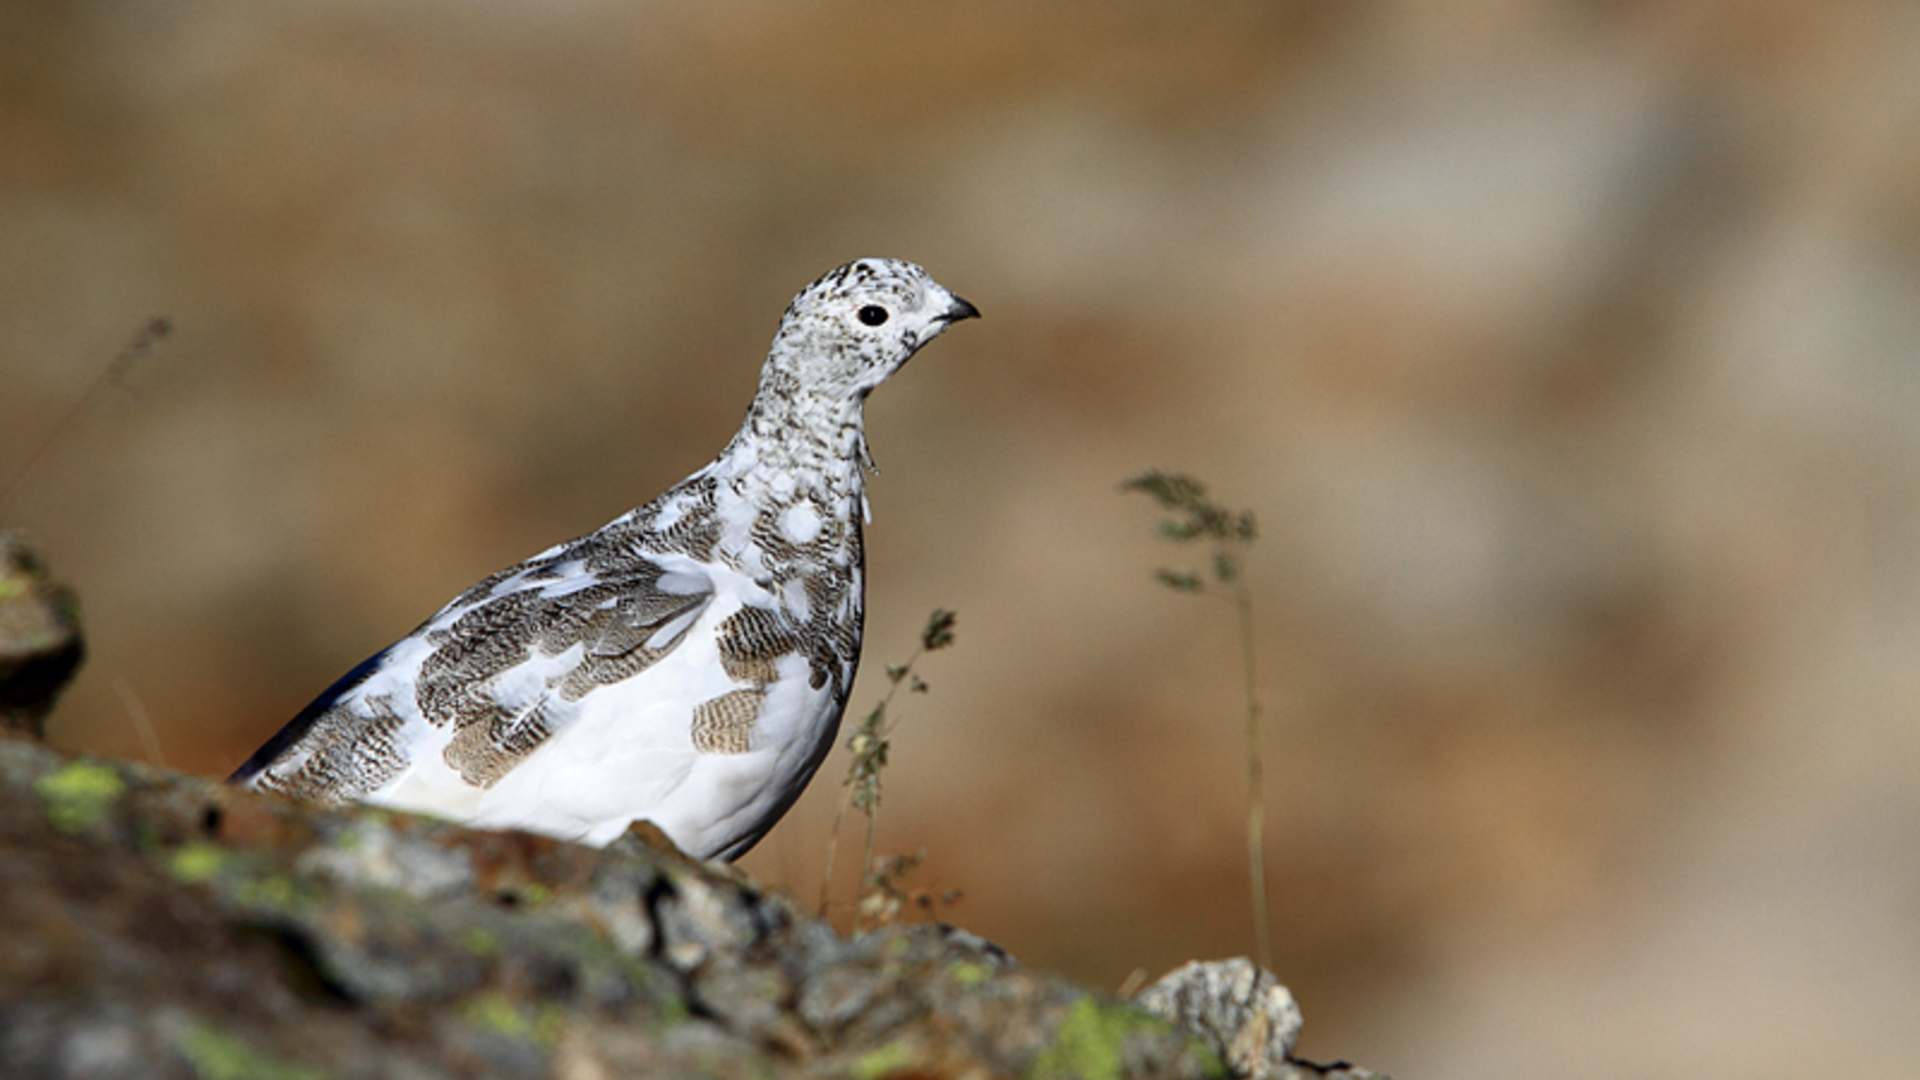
[(1569, 353)]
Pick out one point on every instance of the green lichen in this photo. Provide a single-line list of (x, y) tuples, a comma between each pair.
[(882, 1061), (500, 1015), (968, 974), (214, 1056), (274, 892), (197, 862), (670, 1013), (481, 942), (79, 795), (202, 862), (1088, 1042)]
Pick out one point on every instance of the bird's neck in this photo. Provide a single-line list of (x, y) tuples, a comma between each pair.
[(798, 445), (789, 500)]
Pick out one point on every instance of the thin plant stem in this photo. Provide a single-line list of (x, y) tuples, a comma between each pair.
[(142, 720), (1200, 518), (866, 861), (885, 710), (869, 746), (1256, 793), (833, 851), (150, 334)]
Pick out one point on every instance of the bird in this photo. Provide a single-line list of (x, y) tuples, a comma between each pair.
[(686, 664)]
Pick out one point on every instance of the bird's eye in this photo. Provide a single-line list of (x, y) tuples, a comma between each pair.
[(873, 314)]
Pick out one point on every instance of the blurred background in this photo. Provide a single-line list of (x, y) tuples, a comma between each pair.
[(1568, 353)]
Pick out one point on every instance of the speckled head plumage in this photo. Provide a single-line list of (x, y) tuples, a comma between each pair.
[(848, 331)]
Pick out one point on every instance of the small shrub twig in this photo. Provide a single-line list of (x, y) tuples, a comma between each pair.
[(886, 894), (869, 744), (1198, 518)]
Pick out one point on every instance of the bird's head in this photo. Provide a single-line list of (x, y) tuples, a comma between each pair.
[(845, 333)]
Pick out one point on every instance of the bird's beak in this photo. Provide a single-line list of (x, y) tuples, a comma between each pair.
[(960, 310)]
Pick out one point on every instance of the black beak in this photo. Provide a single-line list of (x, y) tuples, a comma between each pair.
[(960, 310)]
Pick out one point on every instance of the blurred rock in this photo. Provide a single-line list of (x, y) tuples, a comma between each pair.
[(1243, 1013), (40, 643), (156, 925)]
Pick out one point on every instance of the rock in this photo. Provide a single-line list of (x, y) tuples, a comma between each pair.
[(163, 926), (370, 853), (1243, 1014), (40, 644)]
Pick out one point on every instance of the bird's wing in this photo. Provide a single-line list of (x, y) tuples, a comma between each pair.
[(303, 722), (491, 677), (505, 673)]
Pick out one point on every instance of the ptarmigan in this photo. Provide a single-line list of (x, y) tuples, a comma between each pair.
[(686, 664)]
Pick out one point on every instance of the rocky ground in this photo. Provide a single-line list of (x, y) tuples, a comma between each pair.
[(158, 925)]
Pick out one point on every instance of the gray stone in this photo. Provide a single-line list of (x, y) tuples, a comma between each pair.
[(369, 852), (1242, 1012), (40, 643), (695, 920), (837, 995)]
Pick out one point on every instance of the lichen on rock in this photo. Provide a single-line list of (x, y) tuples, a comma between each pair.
[(157, 926), (40, 642)]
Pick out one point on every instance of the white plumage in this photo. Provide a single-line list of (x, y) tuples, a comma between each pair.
[(686, 664)]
